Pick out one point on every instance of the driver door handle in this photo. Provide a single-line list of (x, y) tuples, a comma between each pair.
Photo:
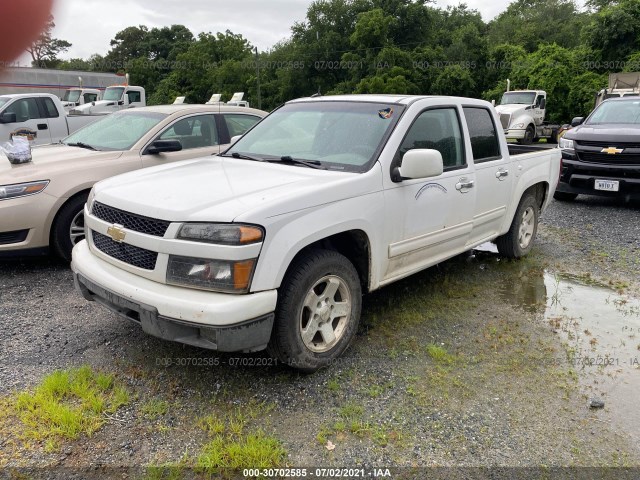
[(464, 185)]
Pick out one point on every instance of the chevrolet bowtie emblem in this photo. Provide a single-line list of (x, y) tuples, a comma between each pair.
[(116, 233), (612, 150)]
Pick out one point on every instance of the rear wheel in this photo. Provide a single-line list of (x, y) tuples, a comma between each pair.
[(318, 311), (518, 241), (68, 227), (565, 196)]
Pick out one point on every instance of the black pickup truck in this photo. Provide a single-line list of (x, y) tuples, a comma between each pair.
[(601, 155)]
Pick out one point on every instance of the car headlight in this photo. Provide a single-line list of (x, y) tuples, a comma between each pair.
[(221, 233), (518, 125), (22, 189), (566, 144), (220, 275)]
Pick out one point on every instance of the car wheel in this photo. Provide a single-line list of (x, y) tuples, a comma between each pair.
[(554, 136), (68, 227), (565, 196), (518, 241), (529, 135), (318, 311)]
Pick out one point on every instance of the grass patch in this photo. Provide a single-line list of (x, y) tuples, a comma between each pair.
[(439, 354), (256, 450), (67, 404), (155, 408)]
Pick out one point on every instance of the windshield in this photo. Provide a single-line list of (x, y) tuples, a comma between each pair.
[(71, 96), (118, 131), (624, 112), (3, 101), (336, 134), (524, 98), (113, 93)]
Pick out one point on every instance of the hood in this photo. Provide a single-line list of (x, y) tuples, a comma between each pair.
[(612, 133), (96, 107), (49, 161), (221, 189), (512, 109)]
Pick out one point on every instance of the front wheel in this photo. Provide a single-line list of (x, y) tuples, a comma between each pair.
[(68, 227), (318, 311), (529, 135), (518, 241)]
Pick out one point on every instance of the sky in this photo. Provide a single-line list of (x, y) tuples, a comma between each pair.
[(263, 23)]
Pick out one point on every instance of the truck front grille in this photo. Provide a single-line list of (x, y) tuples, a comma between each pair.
[(136, 256), (505, 120), (587, 143), (130, 221), (605, 158)]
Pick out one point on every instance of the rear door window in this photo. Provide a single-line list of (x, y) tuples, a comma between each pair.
[(483, 135)]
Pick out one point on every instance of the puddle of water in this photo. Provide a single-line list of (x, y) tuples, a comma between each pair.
[(601, 330)]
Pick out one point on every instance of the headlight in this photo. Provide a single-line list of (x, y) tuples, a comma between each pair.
[(220, 275), (518, 125), (220, 233), (566, 144), (22, 189)]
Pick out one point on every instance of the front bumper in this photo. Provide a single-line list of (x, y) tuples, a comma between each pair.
[(517, 133), (216, 321), (579, 177), (24, 223)]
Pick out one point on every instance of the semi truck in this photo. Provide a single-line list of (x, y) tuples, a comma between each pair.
[(522, 115)]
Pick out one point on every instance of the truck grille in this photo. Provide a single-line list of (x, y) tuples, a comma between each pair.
[(136, 256), (586, 143), (619, 159), (505, 120), (130, 221)]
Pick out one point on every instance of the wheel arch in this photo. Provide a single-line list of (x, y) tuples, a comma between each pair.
[(353, 244), (53, 218)]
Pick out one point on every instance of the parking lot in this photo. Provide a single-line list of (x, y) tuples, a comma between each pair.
[(476, 362)]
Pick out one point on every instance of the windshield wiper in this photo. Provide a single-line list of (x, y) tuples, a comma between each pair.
[(82, 145), (244, 156), (298, 161)]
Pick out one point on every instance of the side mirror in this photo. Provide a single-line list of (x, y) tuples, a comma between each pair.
[(419, 163), (234, 139), (8, 118), (163, 146), (121, 102), (543, 103), (577, 121)]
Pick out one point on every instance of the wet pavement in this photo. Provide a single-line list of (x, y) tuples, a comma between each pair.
[(598, 327)]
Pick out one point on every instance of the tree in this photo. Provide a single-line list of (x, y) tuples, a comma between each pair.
[(45, 49)]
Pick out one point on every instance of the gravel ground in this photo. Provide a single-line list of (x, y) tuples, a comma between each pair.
[(489, 405)]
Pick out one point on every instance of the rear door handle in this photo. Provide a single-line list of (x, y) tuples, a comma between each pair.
[(502, 174), (43, 126), (464, 185)]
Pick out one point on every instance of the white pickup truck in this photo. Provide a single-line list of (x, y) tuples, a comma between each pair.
[(40, 117), (272, 243)]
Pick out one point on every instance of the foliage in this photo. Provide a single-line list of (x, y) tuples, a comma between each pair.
[(45, 49)]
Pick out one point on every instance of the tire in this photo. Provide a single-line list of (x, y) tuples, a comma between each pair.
[(529, 135), (70, 216), (565, 196), (307, 334), (554, 136), (518, 241)]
